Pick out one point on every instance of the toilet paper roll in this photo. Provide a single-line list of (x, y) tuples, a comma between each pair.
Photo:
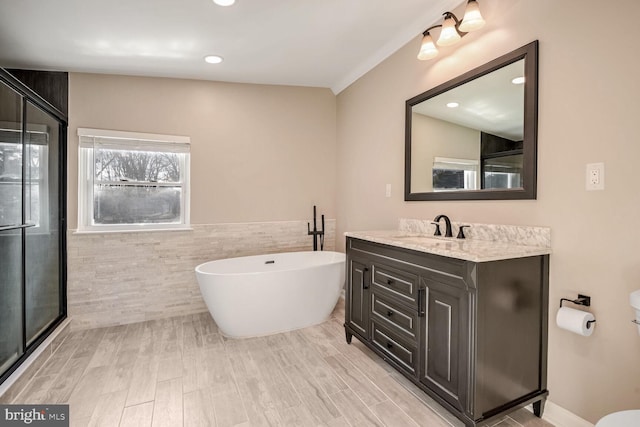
[(575, 321)]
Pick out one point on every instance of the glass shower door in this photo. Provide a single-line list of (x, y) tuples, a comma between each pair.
[(41, 195), (32, 220), (10, 297), (11, 227)]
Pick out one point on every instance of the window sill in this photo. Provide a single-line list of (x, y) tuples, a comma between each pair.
[(142, 230)]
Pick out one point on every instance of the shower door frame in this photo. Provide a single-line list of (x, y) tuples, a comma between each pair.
[(28, 95)]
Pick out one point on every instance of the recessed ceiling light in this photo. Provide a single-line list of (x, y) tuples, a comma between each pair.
[(452, 104), (224, 2), (518, 80), (213, 59)]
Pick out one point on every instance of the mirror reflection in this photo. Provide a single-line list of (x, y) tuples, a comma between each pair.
[(470, 137), (475, 137)]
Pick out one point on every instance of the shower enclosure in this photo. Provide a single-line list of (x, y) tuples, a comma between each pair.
[(32, 215)]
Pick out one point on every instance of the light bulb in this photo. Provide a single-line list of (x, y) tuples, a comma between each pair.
[(213, 59), (518, 80), (428, 49), (224, 2), (472, 18), (449, 34)]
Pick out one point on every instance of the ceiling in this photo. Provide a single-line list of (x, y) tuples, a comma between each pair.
[(490, 103), (319, 43)]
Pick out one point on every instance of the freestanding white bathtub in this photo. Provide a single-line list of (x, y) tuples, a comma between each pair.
[(266, 294)]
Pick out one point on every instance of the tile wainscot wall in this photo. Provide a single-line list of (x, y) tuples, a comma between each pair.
[(121, 278)]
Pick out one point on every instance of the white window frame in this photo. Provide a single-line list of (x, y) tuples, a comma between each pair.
[(89, 138), (471, 168)]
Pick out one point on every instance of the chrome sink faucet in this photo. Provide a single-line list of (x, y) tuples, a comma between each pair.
[(447, 223)]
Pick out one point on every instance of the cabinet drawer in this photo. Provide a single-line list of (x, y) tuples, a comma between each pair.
[(395, 348), (401, 284), (394, 316)]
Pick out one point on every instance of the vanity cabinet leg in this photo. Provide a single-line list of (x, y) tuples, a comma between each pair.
[(348, 336), (538, 407)]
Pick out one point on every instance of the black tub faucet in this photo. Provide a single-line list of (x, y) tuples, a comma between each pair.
[(317, 234), (447, 223)]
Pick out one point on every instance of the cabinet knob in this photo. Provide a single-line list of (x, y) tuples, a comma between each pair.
[(389, 282), (389, 345), (389, 313)]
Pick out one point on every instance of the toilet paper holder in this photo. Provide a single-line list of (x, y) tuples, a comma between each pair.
[(581, 300)]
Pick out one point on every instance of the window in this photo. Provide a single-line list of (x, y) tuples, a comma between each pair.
[(454, 174), (132, 181)]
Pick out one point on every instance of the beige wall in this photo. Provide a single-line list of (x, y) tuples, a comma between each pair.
[(588, 112), (258, 152)]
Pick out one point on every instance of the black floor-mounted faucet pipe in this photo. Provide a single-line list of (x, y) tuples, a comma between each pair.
[(317, 234)]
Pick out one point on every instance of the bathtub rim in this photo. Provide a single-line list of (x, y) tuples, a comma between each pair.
[(199, 270)]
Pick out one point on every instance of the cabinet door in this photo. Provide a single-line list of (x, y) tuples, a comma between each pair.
[(444, 367), (358, 295)]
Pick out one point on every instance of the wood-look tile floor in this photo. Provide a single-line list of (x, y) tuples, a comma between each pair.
[(182, 372)]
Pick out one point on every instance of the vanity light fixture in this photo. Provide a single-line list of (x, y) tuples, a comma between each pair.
[(451, 30), (428, 49), (449, 34)]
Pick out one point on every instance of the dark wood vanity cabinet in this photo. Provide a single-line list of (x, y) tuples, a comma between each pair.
[(471, 335)]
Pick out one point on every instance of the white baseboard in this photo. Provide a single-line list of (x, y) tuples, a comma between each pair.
[(560, 417)]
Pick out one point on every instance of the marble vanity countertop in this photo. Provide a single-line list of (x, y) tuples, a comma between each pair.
[(466, 249)]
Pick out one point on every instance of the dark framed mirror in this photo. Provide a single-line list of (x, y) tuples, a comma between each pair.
[(475, 136)]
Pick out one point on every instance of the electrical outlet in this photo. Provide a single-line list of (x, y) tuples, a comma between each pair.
[(388, 190), (595, 176)]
